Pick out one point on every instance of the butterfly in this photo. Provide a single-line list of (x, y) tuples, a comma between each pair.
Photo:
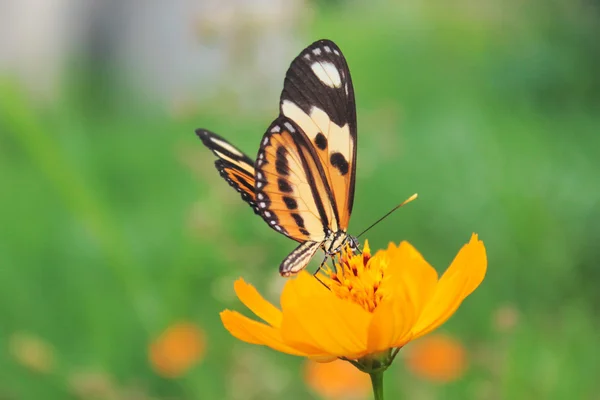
[(302, 181)]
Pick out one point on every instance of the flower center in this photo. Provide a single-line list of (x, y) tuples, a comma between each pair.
[(356, 277)]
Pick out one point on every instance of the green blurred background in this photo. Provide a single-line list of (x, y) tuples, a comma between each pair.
[(115, 225)]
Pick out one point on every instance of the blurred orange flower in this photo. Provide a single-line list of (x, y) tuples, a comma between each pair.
[(438, 358), (364, 306), (177, 349), (337, 380)]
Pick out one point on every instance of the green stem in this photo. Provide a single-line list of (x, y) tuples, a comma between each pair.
[(377, 381)]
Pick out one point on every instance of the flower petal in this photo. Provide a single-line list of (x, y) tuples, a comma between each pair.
[(257, 304), (391, 324), (250, 331), (410, 273), (314, 316), (462, 277)]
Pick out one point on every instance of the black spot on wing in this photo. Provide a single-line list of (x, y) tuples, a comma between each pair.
[(339, 162), (321, 141), (282, 168), (284, 186), (281, 162), (299, 220), (290, 203)]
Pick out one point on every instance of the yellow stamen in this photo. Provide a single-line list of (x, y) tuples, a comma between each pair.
[(357, 277)]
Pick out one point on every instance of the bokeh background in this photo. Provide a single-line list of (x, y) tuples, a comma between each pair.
[(119, 242)]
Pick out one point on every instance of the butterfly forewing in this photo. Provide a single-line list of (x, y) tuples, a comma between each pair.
[(233, 165), (319, 97), (290, 190)]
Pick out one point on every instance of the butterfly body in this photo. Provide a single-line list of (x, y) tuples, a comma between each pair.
[(302, 182)]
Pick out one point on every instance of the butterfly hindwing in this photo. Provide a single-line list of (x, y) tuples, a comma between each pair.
[(298, 259), (240, 180), (233, 165), (318, 96)]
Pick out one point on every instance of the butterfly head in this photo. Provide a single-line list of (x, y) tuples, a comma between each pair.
[(348, 248), (352, 242), (339, 241)]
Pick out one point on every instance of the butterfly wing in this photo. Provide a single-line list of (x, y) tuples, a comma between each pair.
[(290, 190), (298, 259), (233, 165), (318, 97)]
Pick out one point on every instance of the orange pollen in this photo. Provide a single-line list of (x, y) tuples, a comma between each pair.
[(356, 277)]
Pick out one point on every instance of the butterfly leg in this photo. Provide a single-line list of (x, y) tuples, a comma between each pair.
[(316, 274), (321, 266), (339, 266)]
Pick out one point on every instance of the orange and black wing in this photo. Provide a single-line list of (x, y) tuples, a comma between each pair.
[(233, 165), (318, 97), (291, 190)]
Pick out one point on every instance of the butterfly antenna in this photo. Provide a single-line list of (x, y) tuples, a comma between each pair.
[(411, 198)]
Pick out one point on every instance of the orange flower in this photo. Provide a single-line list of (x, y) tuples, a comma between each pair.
[(177, 350), (336, 380), (438, 358), (366, 306)]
